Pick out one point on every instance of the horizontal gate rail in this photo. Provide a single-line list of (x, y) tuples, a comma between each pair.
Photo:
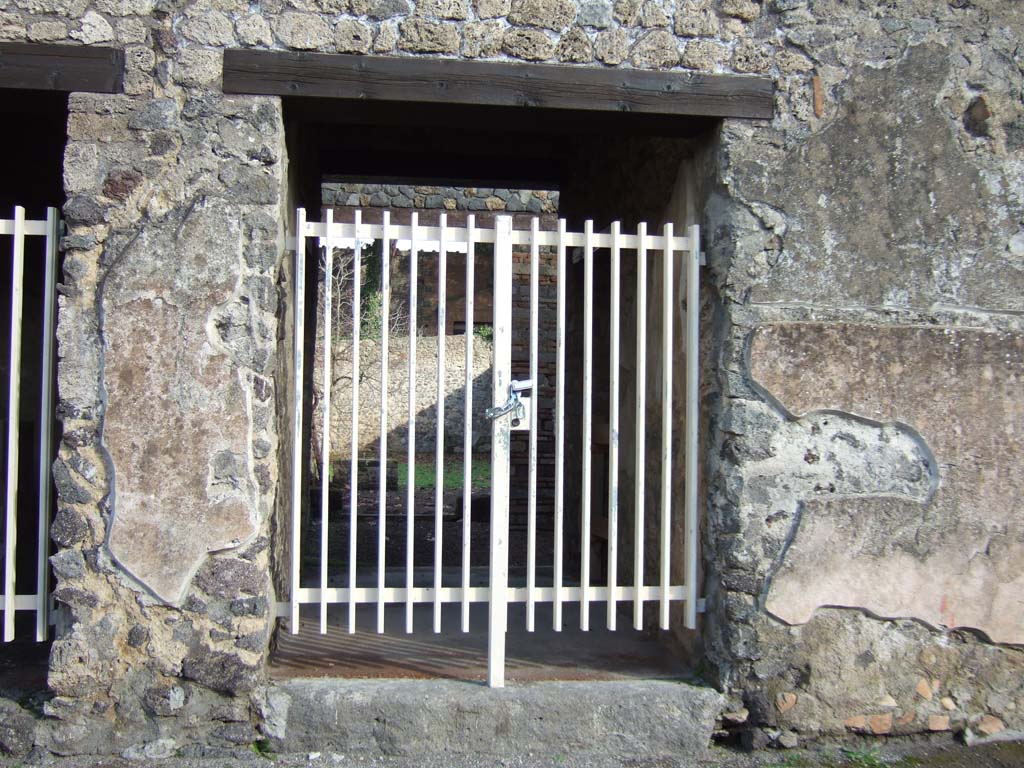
[(19, 228), (371, 595), (657, 255), (428, 237)]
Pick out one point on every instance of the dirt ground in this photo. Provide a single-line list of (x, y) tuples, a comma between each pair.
[(885, 755)]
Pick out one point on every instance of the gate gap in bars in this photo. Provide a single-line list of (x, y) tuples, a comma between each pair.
[(599, 552)]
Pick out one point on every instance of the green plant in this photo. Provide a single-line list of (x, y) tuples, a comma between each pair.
[(262, 748), (479, 472), (485, 332), (372, 326), (794, 761)]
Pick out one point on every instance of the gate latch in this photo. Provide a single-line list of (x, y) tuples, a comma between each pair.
[(515, 404)]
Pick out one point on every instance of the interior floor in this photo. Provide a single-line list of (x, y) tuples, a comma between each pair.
[(542, 655)]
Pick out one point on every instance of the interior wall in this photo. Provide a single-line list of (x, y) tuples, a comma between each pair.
[(651, 179)]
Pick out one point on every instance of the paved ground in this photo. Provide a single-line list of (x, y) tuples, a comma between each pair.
[(890, 755)]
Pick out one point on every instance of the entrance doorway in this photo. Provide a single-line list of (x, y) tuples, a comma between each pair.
[(564, 162), (33, 124)]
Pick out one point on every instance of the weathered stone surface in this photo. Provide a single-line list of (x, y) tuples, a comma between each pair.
[(575, 46), (482, 38), (425, 36), (492, 9), (529, 44), (612, 46), (154, 115), (95, 29), (388, 9), (161, 359), (747, 10), (949, 561), (443, 9), (47, 31), (653, 14), (851, 661), (705, 55), (387, 37), (549, 14), (254, 30), (891, 191), (622, 719), (751, 56), (352, 36), (17, 729), (696, 18), (12, 27), (990, 725), (210, 28), (627, 12), (220, 671), (303, 31), (225, 578), (595, 13), (68, 527), (655, 50), (165, 699)]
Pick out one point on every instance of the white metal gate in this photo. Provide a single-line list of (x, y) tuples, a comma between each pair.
[(503, 410), (15, 597)]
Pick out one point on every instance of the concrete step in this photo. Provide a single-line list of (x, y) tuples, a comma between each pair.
[(634, 718)]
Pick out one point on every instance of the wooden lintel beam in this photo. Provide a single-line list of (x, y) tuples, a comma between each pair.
[(67, 68), (423, 80)]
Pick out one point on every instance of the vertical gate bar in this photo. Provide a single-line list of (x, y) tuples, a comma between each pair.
[(382, 474), (298, 332), (46, 440), (692, 445), (588, 399), (13, 416), (531, 534), (501, 376), (559, 424), (442, 300), (640, 468), (467, 427), (353, 493), (325, 445), (613, 430), (410, 476), (667, 293), (297, 469)]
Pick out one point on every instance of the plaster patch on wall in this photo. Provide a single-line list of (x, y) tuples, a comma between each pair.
[(953, 561), (176, 420)]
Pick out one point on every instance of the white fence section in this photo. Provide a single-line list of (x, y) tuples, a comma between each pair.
[(443, 239), (14, 598)]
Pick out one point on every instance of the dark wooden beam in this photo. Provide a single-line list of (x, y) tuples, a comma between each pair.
[(423, 80), (67, 68)]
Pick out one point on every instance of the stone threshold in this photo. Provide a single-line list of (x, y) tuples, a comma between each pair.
[(633, 718)]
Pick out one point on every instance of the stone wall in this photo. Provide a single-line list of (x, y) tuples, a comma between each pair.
[(167, 469), (398, 396), (865, 259), (865, 277), (439, 198)]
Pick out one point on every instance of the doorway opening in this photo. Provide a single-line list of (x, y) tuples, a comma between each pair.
[(456, 162), (33, 125)]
